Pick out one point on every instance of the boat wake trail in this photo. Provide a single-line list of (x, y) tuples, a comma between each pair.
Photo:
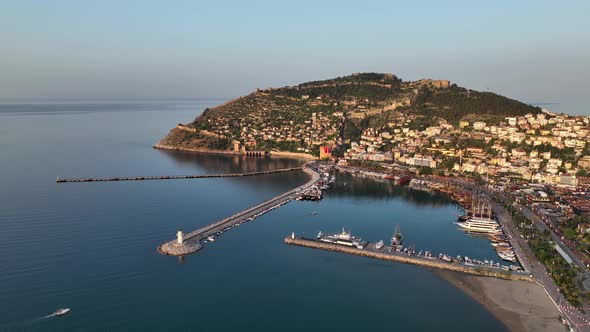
[(48, 316)]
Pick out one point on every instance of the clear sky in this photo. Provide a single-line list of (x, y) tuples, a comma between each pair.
[(535, 51)]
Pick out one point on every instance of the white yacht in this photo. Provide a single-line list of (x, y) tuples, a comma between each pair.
[(379, 245), (61, 312), (480, 225), (507, 256), (343, 238)]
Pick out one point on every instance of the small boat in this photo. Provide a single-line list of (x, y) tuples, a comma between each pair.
[(211, 239), (396, 238), (60, 312), (313, 214), (379, 245)]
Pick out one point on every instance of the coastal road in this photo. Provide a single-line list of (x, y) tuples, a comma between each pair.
[(538, 270), (575, 318), (541, 225)]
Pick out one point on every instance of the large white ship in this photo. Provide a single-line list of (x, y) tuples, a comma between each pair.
[(480, 225), (481, 219)]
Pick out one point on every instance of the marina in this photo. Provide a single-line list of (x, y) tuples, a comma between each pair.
[(479, 219), (409, 256)]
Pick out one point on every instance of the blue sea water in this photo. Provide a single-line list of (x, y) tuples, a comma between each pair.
[(92, 246)]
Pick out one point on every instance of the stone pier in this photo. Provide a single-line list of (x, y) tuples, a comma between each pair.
[(384, 254)]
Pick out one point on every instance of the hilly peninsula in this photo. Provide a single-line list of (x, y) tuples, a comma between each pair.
[(335, 112)]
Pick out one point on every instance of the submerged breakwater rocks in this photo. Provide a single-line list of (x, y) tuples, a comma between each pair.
[(172, 248)]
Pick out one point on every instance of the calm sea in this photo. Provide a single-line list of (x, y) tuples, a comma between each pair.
[(92, 246)]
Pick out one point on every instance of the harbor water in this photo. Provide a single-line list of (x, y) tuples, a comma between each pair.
[(91, 247)]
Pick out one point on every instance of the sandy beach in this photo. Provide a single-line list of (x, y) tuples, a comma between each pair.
[(519, 305)]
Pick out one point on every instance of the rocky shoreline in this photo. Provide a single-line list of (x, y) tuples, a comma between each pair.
[(285, 154), (199, 150)]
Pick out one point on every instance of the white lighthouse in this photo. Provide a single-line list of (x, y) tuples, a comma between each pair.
[(179, 237)]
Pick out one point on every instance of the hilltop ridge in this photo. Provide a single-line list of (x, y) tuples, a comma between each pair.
[(334, 111)]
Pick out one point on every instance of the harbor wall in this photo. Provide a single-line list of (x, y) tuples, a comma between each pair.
[(193, 239), (200, 150), (432, 263), (285, 154), (179, 177)]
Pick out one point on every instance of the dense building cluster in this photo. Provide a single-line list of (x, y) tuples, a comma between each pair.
[(277, 123), (544, 148)]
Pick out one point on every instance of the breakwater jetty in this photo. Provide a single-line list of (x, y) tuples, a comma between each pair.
[(386, 254), (177, 177), (191, 242)]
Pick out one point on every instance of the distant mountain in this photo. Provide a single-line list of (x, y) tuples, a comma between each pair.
[(300, 118)]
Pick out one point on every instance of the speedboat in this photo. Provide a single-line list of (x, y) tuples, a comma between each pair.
[(61, 311)]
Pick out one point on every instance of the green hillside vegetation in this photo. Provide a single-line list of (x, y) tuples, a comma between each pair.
[(283, 118), (456, 103)]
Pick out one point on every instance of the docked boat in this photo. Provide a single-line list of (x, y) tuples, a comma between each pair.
[(342, 238), (445, 258), (507, 255), (403, 181), (379, 245), (397, 237), (511, 259), (211, 238), (480, 225), (62, 311)]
